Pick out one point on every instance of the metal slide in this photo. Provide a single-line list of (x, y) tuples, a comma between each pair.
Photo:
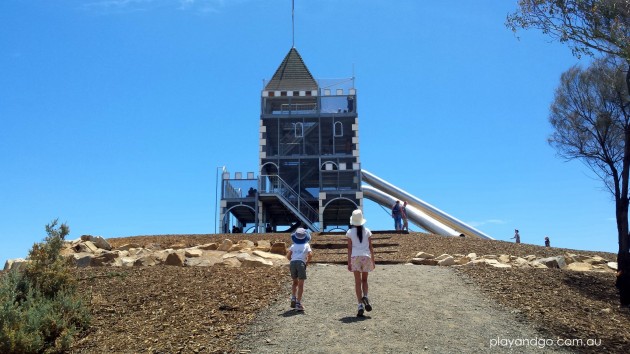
[(419, 212)]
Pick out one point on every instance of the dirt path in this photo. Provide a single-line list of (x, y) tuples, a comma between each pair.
[(417, 309)]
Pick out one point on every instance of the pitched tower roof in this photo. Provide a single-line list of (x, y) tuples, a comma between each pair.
[(292, 74)]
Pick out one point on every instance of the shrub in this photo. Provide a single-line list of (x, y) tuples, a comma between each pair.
[(40, 309)]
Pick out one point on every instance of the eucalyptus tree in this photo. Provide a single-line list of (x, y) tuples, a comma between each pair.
[(593, 28)]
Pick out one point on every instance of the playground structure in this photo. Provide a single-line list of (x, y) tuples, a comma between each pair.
[(309, 171)]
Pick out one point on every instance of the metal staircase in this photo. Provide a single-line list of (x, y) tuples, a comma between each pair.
[(276, 186)]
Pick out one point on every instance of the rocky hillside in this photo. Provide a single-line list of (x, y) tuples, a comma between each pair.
[(196, 293)]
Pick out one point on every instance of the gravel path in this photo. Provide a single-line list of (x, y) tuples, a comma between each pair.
[(417, 309)]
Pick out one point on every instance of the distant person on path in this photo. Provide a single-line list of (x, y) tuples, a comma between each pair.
[(360, 258), (517, 237), (397, 215), (547, 242), (405, 222), (299, 254)]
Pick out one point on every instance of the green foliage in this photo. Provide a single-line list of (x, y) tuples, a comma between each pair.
[(40, 310), (587, 26)]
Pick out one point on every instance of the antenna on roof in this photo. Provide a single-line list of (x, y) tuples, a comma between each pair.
[(293, 23)]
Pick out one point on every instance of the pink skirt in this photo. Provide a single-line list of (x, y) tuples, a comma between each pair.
[(361, 264)]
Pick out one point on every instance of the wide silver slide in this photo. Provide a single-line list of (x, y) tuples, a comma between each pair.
[(419, 212)]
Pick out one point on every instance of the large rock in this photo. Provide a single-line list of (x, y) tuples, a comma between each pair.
[(521, 263), (104, 259), (145, 261), (85, 247), (245, 244), (463, 260), (424, 261), (17, 263), (192, 253), (595, 260), (178, 246), (255, 262), (174, 259), (226, 245), (279, 248), (263, 245), (612, 265), (500, 265), (504, 258), (98, 241), (235, 248), (209, 247), (231, 262), (472, 256), (127, 246), (127, 261), (448, 261), (580, 267), (441, 257), (424, 255), (268, 255), (552, 262), (82, 260)]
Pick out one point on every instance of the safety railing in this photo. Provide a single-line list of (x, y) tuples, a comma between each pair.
[(273, 184)]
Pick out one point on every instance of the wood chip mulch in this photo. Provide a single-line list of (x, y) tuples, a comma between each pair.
[(166, 309)]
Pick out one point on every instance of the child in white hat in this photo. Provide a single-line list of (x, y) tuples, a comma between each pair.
[(299, 254), (360, 258)]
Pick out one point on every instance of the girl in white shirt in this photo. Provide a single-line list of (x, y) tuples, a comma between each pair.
[(360, 258)]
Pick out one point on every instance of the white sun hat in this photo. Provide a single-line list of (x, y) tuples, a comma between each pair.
[(357, 218)]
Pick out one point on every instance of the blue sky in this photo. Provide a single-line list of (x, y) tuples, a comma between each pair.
[(115, 114)]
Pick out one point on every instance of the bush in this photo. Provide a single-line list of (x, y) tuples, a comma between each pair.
[(40, 309)]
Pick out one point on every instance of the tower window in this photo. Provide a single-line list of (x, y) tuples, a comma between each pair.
[(338, 129), (299, 130)]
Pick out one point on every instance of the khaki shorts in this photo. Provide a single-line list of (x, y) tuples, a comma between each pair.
[(298, 269)]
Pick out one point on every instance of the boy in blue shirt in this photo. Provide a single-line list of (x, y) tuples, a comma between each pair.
[(299, 254)]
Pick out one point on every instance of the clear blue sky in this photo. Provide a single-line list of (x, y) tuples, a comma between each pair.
[(114, 114)]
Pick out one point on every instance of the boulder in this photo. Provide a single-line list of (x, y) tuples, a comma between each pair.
[(127, 261), (500, 265), (612, 265), (424, 261), (472, 256), (127, 246), (568, 258), (255, 262), (17, 263), (595, 260), (246, 244), (424, 255), (226, 245), (104, 259), (174, 259), (85, 247), (279, 248), (530, 257), (580, 267), (268, 255), (198, 262), (231, 262), (520, 262), (192, 253), (235, 248), (441, 257), (209, 247), (98, 241), (504, 258), (463, 260), (82, 260), (552, 262), (178, 246), (263, 245), (448, 261), (145, 261)]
